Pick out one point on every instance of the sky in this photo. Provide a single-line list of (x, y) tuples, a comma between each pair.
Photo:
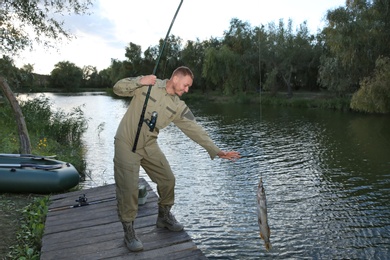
[(113, 24)]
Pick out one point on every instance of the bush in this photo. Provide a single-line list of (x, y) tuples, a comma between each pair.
[(51, 132), (374, 93)]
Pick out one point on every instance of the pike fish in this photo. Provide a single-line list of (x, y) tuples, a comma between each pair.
[(265, 232)]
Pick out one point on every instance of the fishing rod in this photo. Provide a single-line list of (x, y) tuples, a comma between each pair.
[(154, 117), (81, 202)]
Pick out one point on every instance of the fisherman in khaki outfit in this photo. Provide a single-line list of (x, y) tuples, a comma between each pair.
[(165, 100)]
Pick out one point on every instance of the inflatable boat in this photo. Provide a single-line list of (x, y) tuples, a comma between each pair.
[(24, 173)]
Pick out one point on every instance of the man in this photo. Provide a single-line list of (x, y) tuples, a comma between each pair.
[(164, 101)]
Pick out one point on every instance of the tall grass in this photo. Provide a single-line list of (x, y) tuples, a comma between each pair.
[(51, 132)]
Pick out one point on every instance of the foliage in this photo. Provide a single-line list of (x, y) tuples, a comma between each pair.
[(19, 17), (332, 76), (9, 71), (22, 79), (170, 58), (275, 57), (118, 70), (222, 68), (193, 57), (90, 76), (356, 35), (243, 98), (271, 83), (32, 227), (290, 56), (304, 100), (51, 132), (374, 93), (133, 54), (67, 76), (232, 63)]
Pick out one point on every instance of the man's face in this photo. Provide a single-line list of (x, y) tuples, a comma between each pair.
[(181, 84)]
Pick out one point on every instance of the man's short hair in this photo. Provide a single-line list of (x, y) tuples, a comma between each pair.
[(184, 71)]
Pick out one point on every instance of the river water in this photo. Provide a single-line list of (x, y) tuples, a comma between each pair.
[(326, 175)]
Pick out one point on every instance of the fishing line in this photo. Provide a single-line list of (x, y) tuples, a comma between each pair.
[(260, 86), (264, 228), (142, 117)]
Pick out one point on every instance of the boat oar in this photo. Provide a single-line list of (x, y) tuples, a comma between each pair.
[(31, 165), (27, 155)]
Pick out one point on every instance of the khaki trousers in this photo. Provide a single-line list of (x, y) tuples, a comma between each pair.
[(126, 172)]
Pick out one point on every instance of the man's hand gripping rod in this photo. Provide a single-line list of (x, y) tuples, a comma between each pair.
[(142, 117)]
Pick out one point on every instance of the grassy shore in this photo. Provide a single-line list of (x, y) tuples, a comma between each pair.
[(321, 100), (22, 216)]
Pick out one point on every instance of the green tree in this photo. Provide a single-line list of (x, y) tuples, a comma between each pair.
[(91, 77), (134, 59), (67, 76), (118, 70), (222, 69), (17, 19), (242, 41), (192, 56), (355, 36), (306, 59), (170, 58), (212, 70), (27, 76), (233, 63), (374, 93), (290, 56), (149, 60), (8, 71), (105, 78)]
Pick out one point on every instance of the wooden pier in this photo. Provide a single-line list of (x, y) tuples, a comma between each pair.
[(94, 232)]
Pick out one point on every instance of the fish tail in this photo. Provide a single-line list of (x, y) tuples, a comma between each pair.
[(268, 246)]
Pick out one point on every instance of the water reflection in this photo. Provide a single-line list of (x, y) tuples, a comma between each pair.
[(326, 176)]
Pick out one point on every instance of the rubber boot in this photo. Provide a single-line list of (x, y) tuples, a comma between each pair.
[(167, 220), (131, 240)]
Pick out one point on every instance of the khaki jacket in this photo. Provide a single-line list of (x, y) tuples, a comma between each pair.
[(169, 108)]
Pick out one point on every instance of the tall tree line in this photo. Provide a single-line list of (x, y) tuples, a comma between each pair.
[(273, 57)]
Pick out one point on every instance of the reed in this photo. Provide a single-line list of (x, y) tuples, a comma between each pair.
[(51, 132)]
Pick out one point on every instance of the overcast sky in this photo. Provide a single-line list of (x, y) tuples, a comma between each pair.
[(113, 24)]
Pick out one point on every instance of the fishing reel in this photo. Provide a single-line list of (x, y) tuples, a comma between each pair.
[(82, 201), (152, 122)]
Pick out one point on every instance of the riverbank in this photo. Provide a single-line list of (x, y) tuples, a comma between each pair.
[(320, 100), (22, 219), (51, 133), (11, 206)]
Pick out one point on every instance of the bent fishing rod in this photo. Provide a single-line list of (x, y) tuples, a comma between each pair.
[(142, 117)]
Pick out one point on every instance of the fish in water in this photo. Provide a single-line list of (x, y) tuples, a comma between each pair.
[(262, 215)]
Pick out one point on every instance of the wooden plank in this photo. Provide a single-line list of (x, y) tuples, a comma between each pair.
[(91, 215), (95, 232), (99, 193), (90, 246)]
